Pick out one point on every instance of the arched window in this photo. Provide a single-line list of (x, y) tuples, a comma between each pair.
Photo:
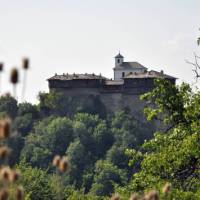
[(118, 60), (123, 74)]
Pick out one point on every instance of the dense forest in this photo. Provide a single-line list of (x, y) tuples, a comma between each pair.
[(71, 148), (107, 153)]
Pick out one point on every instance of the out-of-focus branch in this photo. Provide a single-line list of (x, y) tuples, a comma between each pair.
[(196, 66)]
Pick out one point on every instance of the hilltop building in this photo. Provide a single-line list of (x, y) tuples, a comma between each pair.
[(131, 79), (122, 69)]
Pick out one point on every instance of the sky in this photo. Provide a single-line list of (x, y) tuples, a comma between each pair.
[(76, 36)]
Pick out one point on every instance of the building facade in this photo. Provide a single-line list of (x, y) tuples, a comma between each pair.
[(122, 69), (131, 79)]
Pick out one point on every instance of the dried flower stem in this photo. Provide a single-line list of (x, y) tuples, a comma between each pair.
[(14, 78), (25, 65), (0, 83), (15, 91), (24, 85), (1, 69)]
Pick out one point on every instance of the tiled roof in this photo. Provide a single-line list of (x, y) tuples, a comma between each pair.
[(130, 65), (76, 76), (148, 74)]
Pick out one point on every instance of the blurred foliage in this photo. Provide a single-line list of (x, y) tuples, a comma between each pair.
[(174, 155)]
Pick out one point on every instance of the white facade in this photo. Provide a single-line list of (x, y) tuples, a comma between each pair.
[(120, 73), (124, 68)]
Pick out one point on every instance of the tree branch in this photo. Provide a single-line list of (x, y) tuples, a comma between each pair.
[(196, 65)]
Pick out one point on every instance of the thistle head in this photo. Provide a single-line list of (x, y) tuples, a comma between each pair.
[(14, 76), (152, 195), (134, 197), (64, 164), (5, 128), (115, 197), (14, 176), (25, 63), (167, 188), (56, 160), (1, 67), (5, 174), (4, 152)]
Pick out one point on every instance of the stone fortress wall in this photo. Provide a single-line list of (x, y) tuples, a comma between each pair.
[(115, 95), (131, 79)]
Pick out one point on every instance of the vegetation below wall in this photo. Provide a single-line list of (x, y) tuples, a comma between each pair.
[(108, 153)]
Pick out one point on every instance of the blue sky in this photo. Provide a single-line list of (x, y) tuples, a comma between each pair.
[(83, 36)]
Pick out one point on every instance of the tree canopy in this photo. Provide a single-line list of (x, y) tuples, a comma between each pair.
[(108, 153)]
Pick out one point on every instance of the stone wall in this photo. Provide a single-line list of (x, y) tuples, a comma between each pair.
[(115, 97), (113, 101), (119, 101)]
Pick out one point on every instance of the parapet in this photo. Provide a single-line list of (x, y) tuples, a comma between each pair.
[(137, 82)]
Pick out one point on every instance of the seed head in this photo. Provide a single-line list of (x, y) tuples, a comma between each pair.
[(56, 161), (14, 76), (25, 63), (152, 195), (134, 197), (4, 194), (115, 197), (167, 188), (14, 176), (64, 164), (7, 94), (4, 152), (5, 173), (20, 193), (5, 128), (1, 67)]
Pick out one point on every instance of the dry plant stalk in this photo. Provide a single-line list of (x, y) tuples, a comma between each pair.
[(25, 66), (25, 63), (4, 152), (115, 197), (4, 194), (5, 128), (8, 176), (14, 79), (167, 188), (61, 163), (56, 161), (20, 193), (1, 66), (152, 195), (1, 69), (134, 197)]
